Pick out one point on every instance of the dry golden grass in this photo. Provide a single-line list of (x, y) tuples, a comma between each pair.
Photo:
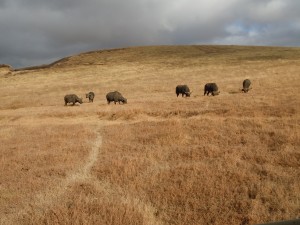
[(228, 159)]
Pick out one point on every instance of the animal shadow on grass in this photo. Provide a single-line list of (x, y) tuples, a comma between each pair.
[(234, 92)]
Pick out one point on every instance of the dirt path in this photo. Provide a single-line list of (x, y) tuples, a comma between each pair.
[(84, 172), (48, 198), (80, 175)]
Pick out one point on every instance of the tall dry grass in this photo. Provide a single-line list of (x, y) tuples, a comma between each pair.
[(229, 159), (203, 169)]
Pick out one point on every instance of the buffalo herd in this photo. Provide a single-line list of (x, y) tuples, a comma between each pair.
[(209, 88), (115, 96)]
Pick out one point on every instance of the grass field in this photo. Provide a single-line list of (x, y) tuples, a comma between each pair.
[(228, 159)]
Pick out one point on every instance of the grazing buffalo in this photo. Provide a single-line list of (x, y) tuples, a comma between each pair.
[(90, 96), (246, 85), (211, 88), (72, 98), (115, 97), (183, 90)]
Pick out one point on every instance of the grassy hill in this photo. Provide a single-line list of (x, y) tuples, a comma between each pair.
[(228, 159)]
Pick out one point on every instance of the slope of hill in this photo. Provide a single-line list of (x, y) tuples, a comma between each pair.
[(229, 159)]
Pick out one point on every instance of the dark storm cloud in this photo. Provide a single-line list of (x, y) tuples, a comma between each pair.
[(40, 31)]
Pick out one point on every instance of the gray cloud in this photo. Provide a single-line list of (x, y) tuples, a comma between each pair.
[(35, 32)]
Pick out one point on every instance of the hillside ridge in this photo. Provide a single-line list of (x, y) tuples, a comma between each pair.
[(142, 54)]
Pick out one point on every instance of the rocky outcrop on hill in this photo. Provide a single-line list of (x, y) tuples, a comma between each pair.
[(5, 69)]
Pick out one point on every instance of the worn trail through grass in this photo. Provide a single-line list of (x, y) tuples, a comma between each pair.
[(45, 200)]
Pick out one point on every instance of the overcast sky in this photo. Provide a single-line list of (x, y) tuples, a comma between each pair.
[(35, 32)]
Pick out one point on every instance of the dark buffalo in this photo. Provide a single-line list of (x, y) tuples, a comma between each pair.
[(211, 88), (246, 85), (72, 98), (90, 96), (183, 90), (115, 97)]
